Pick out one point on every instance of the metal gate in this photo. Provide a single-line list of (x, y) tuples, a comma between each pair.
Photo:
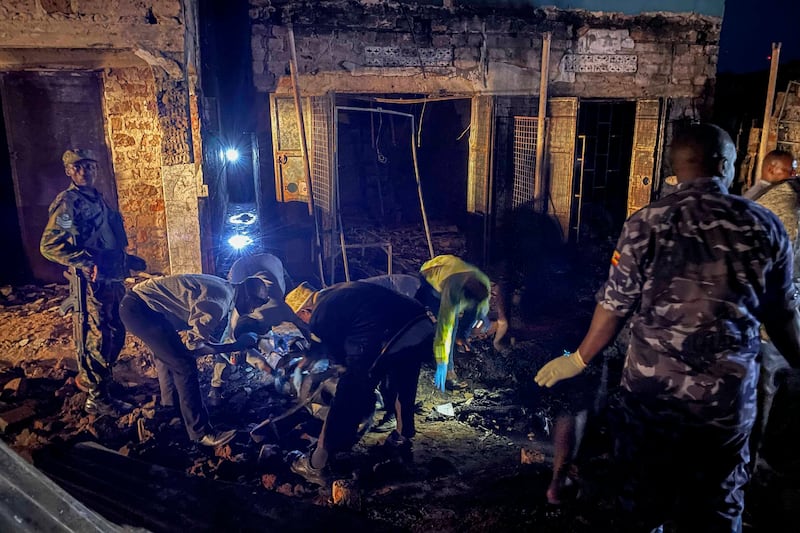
[(525, 129)]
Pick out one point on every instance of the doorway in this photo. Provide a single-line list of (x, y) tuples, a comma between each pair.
[(377, 184), (605, 140), (11, 272), (45, 114)]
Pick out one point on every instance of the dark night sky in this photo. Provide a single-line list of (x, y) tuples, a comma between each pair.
[(750, 27)]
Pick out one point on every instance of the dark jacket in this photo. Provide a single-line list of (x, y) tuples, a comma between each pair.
[(354, 320)]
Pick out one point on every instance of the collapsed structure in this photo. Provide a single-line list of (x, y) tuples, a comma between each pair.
[(461, 78), (616, 84), (119, 78)]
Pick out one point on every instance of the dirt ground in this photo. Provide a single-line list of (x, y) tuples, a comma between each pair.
[(465, 473)]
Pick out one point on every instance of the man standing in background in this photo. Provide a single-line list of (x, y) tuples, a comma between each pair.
[(697, 272), (782, 197), (86, 235)]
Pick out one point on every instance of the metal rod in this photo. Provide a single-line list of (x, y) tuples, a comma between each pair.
[(419, 191), (539, 188), (582, 138), (337, 195), (487, 221), (773, 78), (312, 211)]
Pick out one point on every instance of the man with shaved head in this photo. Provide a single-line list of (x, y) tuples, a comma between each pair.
[(780, 193), (695, 273), (778, 167)]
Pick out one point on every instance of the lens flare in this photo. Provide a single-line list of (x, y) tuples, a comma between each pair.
[(232, 155), (240, 241)]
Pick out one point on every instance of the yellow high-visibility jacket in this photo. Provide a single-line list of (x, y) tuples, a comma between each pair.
[(447, 274)]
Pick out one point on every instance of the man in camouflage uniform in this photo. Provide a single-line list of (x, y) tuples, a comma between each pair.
[(697, 272), (778, 167), (84, 233), (776, 191)]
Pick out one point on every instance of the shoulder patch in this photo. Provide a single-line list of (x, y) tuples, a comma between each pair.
[(64, 221), (615, 258)]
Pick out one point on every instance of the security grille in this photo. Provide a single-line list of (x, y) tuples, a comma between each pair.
[(524, 159), (320, 154)]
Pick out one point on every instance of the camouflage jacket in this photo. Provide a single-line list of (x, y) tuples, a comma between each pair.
[(783, 199), (82, 231), (698, 271)]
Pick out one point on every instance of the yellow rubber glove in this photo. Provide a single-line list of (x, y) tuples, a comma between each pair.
[(564, 367)]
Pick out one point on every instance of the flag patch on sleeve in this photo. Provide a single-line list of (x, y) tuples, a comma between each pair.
[(615, 258)]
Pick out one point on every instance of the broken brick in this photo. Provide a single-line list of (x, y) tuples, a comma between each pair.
[(15, 416), (16, 387), (268, 481), (529, 457)]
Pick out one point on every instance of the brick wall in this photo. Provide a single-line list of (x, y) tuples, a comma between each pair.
[(344, 46), (139, 45), (102, 24), (135, 140)]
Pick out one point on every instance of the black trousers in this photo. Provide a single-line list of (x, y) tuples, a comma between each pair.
[(177, 369), (355, 393)]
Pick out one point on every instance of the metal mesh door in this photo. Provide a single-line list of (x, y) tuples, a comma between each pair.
[(524, 159)]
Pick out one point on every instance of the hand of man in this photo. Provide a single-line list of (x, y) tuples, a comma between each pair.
[(244, 341), (564, 367), (440, 378), (90, 273)]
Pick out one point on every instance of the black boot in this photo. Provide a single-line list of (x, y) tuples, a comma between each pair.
[(99, 402)]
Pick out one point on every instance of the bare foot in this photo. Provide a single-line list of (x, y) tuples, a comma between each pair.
[(556, 491), (501, 329)]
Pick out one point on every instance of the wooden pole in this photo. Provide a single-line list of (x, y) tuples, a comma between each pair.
[(298, 105), (773, 77), (540, 194)]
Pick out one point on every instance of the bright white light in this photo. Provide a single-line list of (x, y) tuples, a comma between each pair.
[(232, 155), (240, 241), (245, 219)]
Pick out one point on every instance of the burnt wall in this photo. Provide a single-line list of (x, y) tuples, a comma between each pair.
[(147, 51), (360, 47), (94, 24), (135, 137)]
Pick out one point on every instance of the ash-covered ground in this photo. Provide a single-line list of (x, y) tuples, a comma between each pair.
[(465, 472)]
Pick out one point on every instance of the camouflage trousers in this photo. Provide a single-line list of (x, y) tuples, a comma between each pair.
[(103, 332), (674, 469)]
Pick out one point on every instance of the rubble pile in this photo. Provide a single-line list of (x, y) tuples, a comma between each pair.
[(468, 440), (409, 247)]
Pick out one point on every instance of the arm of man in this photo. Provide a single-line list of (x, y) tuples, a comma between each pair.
[(618, 297), (445, 334), (204, 318), (780, 315), (246, 341), (785, 335), (603, 329)]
